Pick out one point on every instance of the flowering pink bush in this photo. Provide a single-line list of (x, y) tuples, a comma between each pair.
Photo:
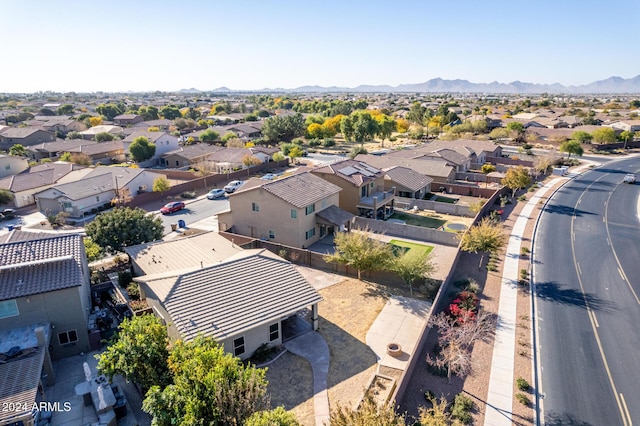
[(464, 307)]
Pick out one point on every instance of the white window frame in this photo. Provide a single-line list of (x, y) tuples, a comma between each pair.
[(67, 333), (9, 308), (239, 345)]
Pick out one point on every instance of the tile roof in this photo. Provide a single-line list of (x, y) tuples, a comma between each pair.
[(38, 264), (101, 148), (233, 155), (199, 250), (124, 175), (61, 145), (407, 177), (22, 132), (237, 297), (152, 136), (353, 171), (335, 215), (194, 150), (86, 187), (302, 189), (427, 166)]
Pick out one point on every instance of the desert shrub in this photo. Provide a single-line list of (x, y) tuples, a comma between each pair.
[(522, 399), (188, 194), (523, 197), (328, 143), (462, 406), (134, 291), (524, 250), (524, 274), (522, 384), (314, 142)]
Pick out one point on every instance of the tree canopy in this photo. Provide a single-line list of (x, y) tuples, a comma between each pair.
[(412, 266), (516, 178), (485, 237), (357, 250), (161, 184), (104, 137), (209, 136), (6, 196), (370, 413), (604, 135), (283, 128), (170, 112), (124, 227), (18, 150), (209, 387), (276, 417), (139, 352), (142, 149), (571, 147)]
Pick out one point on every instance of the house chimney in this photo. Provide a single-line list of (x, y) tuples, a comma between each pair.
[(40, 337)]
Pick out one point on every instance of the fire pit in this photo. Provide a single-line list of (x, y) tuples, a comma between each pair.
[(394, 349)]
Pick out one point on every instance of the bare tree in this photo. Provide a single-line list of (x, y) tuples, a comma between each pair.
[(456, 341)]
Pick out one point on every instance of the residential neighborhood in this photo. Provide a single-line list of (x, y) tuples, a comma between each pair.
[(276, 269)]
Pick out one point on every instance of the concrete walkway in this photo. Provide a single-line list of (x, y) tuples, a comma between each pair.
[(401, 321), (314, 349), (501, 380)]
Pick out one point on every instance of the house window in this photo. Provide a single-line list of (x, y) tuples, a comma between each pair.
[(310, 233), (238, 346), (68, 337), (255, 207), (309, 209), (363, 191), (9, 308), (272, 233), (324, 203), (8, 167), (274, 332), (97, 198), (294, 213)]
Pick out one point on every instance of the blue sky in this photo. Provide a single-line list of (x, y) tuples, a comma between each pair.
[(249, 45)]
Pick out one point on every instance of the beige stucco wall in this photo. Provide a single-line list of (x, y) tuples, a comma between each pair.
[(66, 309), (274, 214), (11, 165), (253, 339)]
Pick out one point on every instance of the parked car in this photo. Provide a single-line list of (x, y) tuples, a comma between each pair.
[(172, 207), (215, 193), (269, 176), (629, 178), (232, 186)]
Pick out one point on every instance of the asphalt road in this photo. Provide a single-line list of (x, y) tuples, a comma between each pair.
[(195, 211), (587, 281)]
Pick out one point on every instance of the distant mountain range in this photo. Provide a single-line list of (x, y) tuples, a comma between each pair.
[(438, 85)]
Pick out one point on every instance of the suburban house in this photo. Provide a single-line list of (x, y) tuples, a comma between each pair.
[(103, 152), (626, 126), (127, 119), (25, 136), (189, 155), (408, 183), (363, 192), (232, 158), (11, 165), (25, 185), (243, 310), (95, 191), (103, 128), (246, 131), (296, 210), (436, 169), (164, 143), (57, 148), (45, 280), (162, 124)]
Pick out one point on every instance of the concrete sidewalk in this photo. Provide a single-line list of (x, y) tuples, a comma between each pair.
[(501, 380)]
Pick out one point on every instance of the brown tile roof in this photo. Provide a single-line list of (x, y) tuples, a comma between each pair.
[(426, 166), (40, 264), (87, 186), (102, 148), (353, 171), (301, 190), (407, 177), (194, 150), (152, 136), (21, 132), (231, 155), (61, 145)]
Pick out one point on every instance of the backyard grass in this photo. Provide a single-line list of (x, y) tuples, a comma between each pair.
[(441, 199), (423, 249), (417, 220)]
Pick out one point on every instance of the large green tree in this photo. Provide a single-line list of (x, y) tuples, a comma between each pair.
[(485, 237), (604, 135), (104, 137), (210, 387), (65, 109), (283, 128), (369, 413), (346, 127), (142, 149), (571, 147), (581, 136), (161, 184), (111, 110), (124, 227), (18, 150), (516, 178), (412, 266), (386, 127), (357, 250), (139, 352), (170, 112), (276, 417), (209, 136)]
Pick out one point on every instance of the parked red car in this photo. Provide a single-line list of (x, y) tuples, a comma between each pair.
[(172, 207)]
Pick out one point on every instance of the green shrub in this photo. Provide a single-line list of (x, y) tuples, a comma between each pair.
[(298, 142), (314, 142), (462, 406), (134, 291), (522, 198), (429, 396), (522, 384), (472, 287), (124, 278), (522, 399), (492, 268), (524, 250), (188, 194), (328, 143), (524, 274)]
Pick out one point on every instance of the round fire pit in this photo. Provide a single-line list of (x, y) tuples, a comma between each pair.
[(394, 349)]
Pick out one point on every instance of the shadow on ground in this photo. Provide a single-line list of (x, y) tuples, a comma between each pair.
[(552, 292)]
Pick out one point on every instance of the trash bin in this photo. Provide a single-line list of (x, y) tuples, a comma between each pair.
[(181, 223), (10, 227), (174, 226)]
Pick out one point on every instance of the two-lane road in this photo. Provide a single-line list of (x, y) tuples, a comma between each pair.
[(586, 269)]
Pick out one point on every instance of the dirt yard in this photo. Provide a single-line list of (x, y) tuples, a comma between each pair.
[(346, 314)]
